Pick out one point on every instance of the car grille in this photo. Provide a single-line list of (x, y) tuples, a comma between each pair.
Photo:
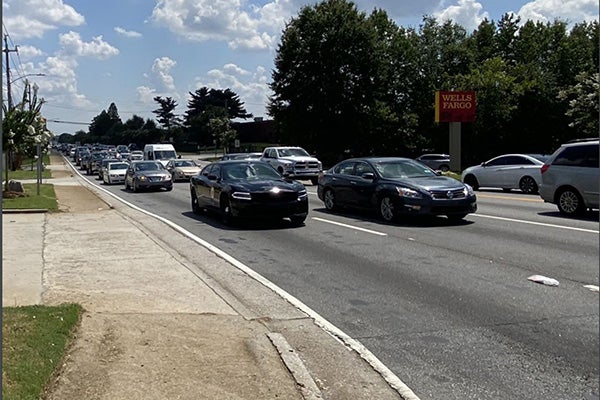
[(269, 197), (302, 165), (448, 194)]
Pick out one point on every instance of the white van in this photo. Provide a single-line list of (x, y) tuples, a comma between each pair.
[(159, 152)]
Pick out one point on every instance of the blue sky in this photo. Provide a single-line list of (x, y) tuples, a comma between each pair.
[(95, 52)]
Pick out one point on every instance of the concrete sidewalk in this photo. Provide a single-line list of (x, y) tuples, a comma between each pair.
[(165, 318)]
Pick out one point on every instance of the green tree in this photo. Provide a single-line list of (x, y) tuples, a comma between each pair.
[(165, 113), (584, 106), (218, 126)]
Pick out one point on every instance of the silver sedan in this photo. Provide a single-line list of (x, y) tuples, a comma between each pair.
[(508, 171)]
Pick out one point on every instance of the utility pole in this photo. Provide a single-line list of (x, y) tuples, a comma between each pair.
[(6, 50)]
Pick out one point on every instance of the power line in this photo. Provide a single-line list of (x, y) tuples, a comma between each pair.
[(58, 121)]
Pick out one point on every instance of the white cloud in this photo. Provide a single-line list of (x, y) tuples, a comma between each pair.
[(161, 82), (32, 18), (72, 45), (126, 33), (466, 13), (60, 82), (572, 11), (27, 52), (223, 20)]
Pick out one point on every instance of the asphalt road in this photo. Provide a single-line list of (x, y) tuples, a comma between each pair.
[(447, 307)]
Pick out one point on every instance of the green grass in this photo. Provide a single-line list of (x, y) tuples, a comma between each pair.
[(27, 172), (34, 339), (45, 200)]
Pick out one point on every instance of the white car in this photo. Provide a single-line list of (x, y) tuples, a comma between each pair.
[(508, 171), (182, 169), (115, 172)]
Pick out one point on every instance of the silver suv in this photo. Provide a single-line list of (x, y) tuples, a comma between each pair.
[(571, 177)]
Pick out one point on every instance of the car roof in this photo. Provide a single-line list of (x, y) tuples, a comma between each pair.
[(379, 159)]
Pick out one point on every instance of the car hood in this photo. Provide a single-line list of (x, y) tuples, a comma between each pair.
[(152, 173), (188, 169), (299, 158), (118, 171), (430, 183), (267, 185)]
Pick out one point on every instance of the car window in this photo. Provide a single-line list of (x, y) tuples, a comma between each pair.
[(403, 169), (184, 163), (517, 160), (496, 162), (578, 156), (362, 168), (345, 168), (292, 152), (206, 170), (250, 171)]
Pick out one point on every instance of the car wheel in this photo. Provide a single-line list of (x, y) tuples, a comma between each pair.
[(456, 217), (195, 205), (329, 200), (528, 185), (226, 210), (297, 221), (386, 209), (169, 188), (472, 181), (444, 168), (314, 181), (570, 203)]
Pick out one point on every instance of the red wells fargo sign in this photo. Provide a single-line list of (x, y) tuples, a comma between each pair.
[(454, 106)]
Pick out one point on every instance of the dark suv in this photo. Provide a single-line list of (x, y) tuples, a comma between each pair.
[(571, 177)]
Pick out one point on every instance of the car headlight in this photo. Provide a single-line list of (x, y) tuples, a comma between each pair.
[(468, 190), (241, 196), (410, 193), (320, 164), (143, 178), (288, 167), (302, 195)]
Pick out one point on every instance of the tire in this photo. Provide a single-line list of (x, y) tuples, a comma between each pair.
[(472, 181), (528, 185), (329, 200), (569, 202), (314, 181), (226, 214), (297, 221), (456, 217), (444, 168), (169, 188), (386, 209), (195, 205)]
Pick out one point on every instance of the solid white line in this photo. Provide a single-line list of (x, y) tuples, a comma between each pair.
[(593, 288), (534, 223), (395, 382), (350, 226)]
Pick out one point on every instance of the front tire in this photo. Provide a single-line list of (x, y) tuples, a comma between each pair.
[(226, 213), (297, 221), (314, 181), (456, 217), (387, 211), (570, 203), (195, 205), (528, 185)]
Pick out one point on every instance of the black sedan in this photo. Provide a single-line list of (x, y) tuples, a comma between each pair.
[(248, 188), (394, 187)]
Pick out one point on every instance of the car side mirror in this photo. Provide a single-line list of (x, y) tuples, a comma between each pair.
[(368, 176)]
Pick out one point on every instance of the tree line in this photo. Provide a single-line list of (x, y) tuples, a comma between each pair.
[(350, 83)]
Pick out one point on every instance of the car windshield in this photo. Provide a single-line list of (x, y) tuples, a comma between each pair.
[(151, 166), (164, 154), (292, 152), (403, 169), (250, 171), (184, 163), (118, 166)]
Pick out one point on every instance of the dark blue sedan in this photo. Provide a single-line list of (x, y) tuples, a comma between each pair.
[(248, 189), (394, 187)]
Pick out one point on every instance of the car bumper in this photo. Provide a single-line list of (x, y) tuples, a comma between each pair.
[(304, 174), (250, 209), (154, 184), (436, 207)]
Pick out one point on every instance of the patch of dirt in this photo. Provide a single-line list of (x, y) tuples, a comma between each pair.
[(13, 195), (78, 199)]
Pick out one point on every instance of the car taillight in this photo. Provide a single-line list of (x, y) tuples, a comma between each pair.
[(545, 168)]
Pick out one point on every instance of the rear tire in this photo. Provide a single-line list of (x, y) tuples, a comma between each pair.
[(570, 203), (329, 200), (444, 168), (472, 181)]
